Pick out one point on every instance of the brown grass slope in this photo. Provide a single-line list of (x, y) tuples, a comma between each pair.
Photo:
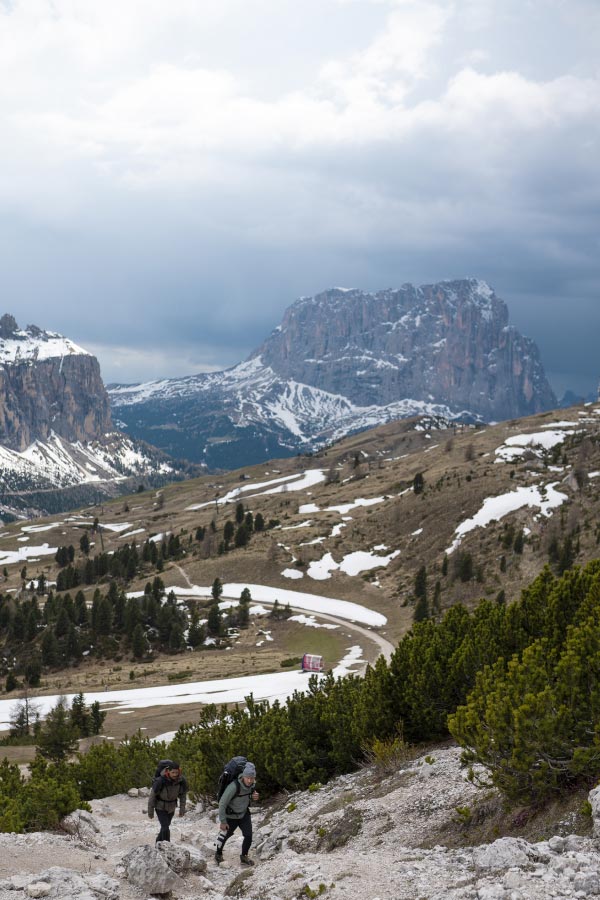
[(460, 470)]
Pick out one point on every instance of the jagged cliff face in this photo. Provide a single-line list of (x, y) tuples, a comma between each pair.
[(48, 384), (449, 343), (341, 362)]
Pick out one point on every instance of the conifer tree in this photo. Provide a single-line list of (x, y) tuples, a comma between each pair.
[(241, 536), (97, 717), (228, 531), (196, 633), (58, 736), (139, 642), (243, 608), (214, 623)]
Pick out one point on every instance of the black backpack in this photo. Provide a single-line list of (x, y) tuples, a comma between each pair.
[(231, 772), (163, 764)]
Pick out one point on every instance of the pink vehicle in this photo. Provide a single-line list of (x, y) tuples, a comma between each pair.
[(312, 663)]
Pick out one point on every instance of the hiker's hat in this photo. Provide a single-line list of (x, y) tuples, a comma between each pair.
[(249, 770)]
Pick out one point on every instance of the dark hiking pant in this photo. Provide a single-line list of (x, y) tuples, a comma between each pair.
[(164, 818), (245, 825)]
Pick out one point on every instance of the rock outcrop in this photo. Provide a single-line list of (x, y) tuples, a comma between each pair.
[(48, 384), (449, 342)]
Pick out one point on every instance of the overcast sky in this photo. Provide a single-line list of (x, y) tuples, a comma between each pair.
[(174, 174)]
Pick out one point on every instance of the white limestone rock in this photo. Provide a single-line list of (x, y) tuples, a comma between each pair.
[(39, 889), (504, 853), (82, 825), (146, 868)]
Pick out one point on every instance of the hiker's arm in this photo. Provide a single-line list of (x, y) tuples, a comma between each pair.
[(228, 795), (151, 803)]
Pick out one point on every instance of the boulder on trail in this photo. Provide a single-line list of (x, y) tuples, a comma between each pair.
[(159, 869)]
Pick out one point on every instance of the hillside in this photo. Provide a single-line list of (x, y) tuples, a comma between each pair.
[(342, 361), (497, 504)]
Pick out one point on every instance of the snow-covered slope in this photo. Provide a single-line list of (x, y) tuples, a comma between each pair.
[(32, 344), (57, 463), (249, 413), (39, 478)]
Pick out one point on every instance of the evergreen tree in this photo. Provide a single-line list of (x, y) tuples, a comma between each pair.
[(80, 716), (196, 633), (228, 531), (217, 590), (259, 522), (421, 610), (84, 543), (104, 617), (421, 583), (18, 624), (437, 599), (214, 623), (33, 671), (176, 638), (72, 645), (241, 536), (50, 649), (31, 626), (97, 718), (139, 642), (239, 513), (418, 483), (243, 608), (62, 622), (58, 736)]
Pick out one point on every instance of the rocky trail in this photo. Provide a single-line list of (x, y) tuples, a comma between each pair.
[(364, 835)]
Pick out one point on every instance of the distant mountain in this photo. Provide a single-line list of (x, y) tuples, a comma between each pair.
[(58, 446), (343, 361)]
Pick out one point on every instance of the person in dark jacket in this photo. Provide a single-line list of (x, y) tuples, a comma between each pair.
[(167, 789), (234, 812)]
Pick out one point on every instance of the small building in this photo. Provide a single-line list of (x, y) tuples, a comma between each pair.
[(312, 663)]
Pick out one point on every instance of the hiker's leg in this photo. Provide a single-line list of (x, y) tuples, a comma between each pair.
[(224, 836), (165, 820), (246, 829)]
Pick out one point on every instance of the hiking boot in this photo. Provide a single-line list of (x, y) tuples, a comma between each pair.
[(218, 857), (245, 860)]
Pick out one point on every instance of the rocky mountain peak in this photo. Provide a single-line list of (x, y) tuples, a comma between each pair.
[(449, 342), (8, 326), (48, 385)]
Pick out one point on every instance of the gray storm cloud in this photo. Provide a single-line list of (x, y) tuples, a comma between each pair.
[(172, 178)]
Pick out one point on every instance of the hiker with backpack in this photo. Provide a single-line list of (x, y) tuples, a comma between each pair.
[(237, 787), (168, 788)]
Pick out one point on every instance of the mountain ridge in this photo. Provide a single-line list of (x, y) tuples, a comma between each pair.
[(342, 361)]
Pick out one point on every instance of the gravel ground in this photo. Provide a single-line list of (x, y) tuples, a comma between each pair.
[(362, 836)]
